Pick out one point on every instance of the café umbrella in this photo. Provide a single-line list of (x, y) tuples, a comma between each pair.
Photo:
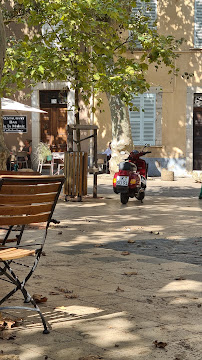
[(11, 105)]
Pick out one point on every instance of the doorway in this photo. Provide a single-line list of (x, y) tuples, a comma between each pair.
[(197, 132), (53, 124)]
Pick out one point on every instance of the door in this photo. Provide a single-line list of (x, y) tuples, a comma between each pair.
[(54, 123), (197, 141)]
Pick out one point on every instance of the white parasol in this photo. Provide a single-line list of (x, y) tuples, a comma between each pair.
[(8, 104)]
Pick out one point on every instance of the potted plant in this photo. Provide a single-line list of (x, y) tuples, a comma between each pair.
[(43, 152)]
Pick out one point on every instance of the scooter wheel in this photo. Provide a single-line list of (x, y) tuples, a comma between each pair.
[(124, 198)]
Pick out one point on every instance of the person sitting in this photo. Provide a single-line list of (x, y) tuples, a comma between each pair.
[(28, 149), (25, 159)]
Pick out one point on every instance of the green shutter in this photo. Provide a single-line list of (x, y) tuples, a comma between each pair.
[(198, 24), (143, 121)]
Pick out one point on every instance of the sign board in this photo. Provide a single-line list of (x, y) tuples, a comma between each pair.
[(15, 123)]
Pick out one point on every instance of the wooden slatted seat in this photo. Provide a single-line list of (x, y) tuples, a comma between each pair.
[(24, 200), (14, 253)]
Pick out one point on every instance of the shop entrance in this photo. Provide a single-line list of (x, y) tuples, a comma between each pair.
[(54, 124), (197, 132)]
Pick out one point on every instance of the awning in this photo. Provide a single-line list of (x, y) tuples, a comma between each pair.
[(8, 104)]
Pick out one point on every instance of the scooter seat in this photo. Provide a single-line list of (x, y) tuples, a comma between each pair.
[(128, 166)]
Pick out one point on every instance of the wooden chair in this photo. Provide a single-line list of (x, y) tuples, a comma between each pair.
[(24, 200), (21, 159)]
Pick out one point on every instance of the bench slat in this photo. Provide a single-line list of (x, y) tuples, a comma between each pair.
[(23, 220), (13, 253), (26, 199), (31, 179), (28, 210), (29, 189)]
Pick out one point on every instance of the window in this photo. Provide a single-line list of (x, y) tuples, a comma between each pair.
[(143, 121), (198, 24), (148, 9)]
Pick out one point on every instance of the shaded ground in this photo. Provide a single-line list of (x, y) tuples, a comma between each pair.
[(119, 277)]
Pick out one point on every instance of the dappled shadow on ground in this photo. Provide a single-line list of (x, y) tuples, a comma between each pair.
[(184, 250), (167, 190), (123, 302)]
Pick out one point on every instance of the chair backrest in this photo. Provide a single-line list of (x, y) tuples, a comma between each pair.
[(26, 199), (21, 154), (21, 171), (101, 158)]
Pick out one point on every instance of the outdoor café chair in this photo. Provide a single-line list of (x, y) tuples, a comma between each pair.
[(21, 159), (25, 201)]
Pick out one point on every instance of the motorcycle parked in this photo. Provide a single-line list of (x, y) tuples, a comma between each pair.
[(130, 180)]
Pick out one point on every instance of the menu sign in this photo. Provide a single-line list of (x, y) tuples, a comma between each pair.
[(15, 124)]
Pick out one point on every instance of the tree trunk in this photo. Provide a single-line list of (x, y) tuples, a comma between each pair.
[(3, 149), (121, 131)]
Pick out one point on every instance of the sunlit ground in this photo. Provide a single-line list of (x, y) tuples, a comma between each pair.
[(118, 278)]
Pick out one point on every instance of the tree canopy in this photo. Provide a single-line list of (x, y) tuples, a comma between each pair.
[(88, 42), (91, 44)]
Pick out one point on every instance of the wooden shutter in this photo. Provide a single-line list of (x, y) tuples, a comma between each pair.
[(198, 24), (143, 121)]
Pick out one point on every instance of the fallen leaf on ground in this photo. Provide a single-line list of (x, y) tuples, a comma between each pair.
[(180, 278), (65, 291), (7, 324), (53, 293), (72, 296), (125, 253), (130, 273), (119, 289), (160, 344), (39, 298), (131, 241)]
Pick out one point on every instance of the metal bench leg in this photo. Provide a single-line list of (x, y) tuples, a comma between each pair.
[(20, 285)]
